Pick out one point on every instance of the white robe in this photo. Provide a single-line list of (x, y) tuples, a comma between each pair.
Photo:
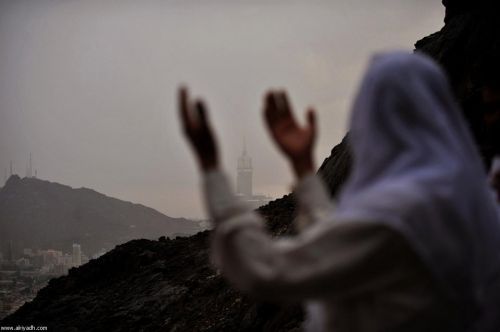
[(358, 276)]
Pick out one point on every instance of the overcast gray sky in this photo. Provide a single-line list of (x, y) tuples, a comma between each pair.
[(89, 86)]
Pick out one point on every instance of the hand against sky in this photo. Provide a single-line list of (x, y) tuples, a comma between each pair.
[(294, 140), (198, 131)]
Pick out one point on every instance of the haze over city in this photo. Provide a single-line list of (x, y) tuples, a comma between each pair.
[(89, 87)]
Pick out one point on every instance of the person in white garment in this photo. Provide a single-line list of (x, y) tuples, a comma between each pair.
[(413, 242)]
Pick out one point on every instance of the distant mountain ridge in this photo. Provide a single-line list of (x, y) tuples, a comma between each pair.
[(40, 214)]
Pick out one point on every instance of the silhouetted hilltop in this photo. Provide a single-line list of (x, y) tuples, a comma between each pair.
[(41, 214), (169, 284)]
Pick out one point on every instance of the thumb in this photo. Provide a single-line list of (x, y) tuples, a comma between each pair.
[(311, 119)]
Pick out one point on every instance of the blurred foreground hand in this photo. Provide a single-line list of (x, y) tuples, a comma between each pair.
[(198, 131), (295, 141)]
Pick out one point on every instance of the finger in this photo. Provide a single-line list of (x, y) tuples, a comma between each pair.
[(279, 108), (311, 119), (270, 108), (285, 107), (283, 102), (204, 130), (202, 113), (184, 109)]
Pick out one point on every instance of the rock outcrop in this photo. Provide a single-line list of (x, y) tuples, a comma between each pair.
[(468, 48)]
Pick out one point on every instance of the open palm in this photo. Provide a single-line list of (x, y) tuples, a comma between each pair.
[(295, 141), (197, 129)]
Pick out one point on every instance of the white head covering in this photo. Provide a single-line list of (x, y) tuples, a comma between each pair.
[(417, 170), (494, 174)]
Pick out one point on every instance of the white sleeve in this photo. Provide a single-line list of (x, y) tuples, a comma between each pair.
[(220, 201), (326, 259), (313, 200)]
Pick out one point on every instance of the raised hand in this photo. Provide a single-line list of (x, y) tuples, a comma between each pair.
[(197, 130), (295, 141)]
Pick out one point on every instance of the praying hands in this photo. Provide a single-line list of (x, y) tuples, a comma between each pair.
[(294, 140)]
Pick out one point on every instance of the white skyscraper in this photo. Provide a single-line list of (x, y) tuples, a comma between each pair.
[(244, 178), (244, 174), (77, 255)]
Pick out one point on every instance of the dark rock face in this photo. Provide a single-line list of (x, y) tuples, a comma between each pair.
[(169, 284), (468, 48), (41, 214), (468, 45), (457, 7), (164, 285), (336, 168)]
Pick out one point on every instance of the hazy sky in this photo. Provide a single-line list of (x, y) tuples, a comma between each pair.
[(89, 86)]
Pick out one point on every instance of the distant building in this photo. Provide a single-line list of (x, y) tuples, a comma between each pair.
[(23, 262), (67, 260), (77, 255), (51, 257), (244, 181), (244, 174)]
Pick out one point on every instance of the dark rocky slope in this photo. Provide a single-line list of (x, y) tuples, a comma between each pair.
[(168, 284), (468, 47)]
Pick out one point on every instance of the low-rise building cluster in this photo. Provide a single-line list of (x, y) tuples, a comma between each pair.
[(23, 276)]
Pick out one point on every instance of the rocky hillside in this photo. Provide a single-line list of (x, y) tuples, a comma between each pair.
[(169, 285), (41, 214)]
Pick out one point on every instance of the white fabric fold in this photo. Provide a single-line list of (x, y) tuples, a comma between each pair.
[(314, 203), (416, 170)]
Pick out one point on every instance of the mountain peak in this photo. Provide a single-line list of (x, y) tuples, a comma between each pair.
[(12, 180)]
